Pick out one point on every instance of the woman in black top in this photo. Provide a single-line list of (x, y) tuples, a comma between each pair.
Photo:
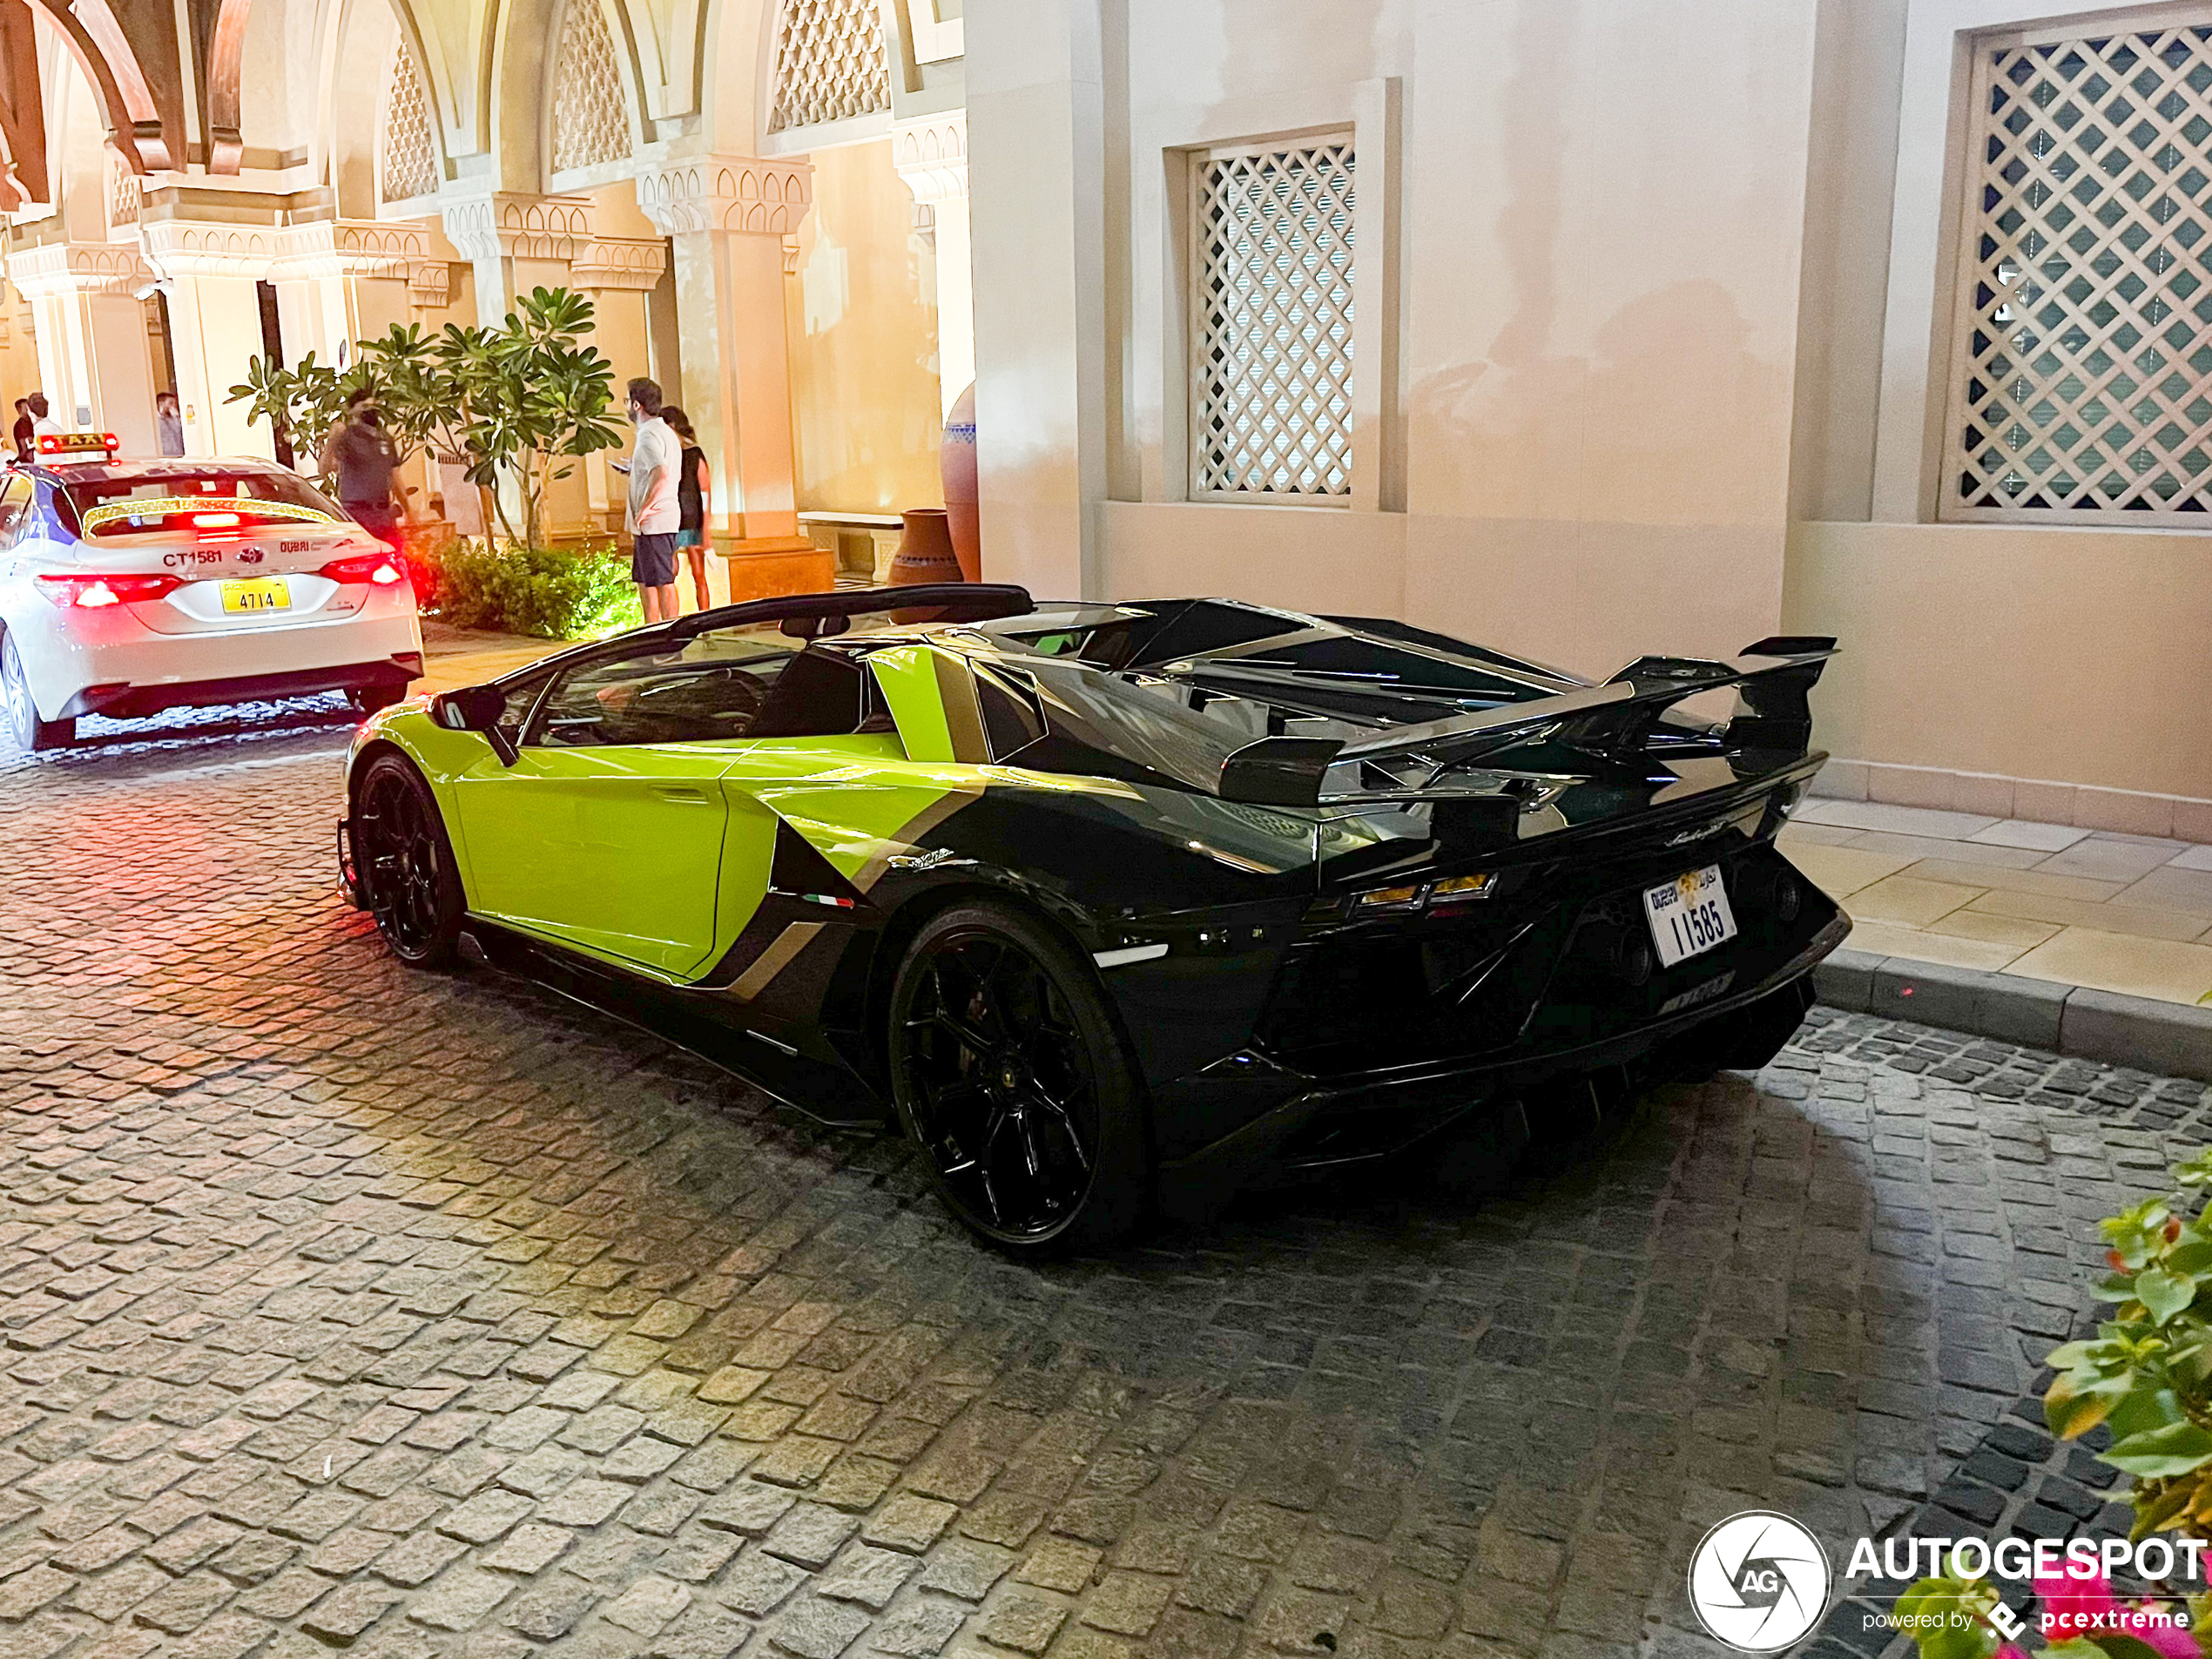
[(691, 499)]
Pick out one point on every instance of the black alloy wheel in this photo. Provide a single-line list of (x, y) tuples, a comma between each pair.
[(31, 733), (1009, 1074), (406, 864)]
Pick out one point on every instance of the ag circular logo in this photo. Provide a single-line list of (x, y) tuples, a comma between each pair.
[(1759, 1582)]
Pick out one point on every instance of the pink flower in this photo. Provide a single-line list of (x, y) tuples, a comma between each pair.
[(2008, 1651), (2074, 1607), (2083, 1606), (2172, 1641)]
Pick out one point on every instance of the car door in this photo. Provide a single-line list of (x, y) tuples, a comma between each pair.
[(608, 832)]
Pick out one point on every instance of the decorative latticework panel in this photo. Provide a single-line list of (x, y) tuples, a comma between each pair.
[(125, 193), (1270, 382), (410, 153), (591, 123), (2083, 377), (829, 62)]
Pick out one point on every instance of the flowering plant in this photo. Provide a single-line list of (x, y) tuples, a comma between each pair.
[(2146, 1378), (1960, 1618), (2146, 1375)]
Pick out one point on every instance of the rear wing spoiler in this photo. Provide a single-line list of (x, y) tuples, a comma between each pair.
[(1774, 677)]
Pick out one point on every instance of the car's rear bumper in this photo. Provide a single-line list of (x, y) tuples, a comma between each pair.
[(1295, 1120), (126, 701), (109, 663)]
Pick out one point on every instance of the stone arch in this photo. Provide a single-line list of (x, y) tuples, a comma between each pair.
[(731, 77), (141, 108)]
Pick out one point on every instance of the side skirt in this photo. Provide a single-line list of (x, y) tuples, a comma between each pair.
[(829, 1093)]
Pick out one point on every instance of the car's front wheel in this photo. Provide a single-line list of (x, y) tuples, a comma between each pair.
[(406, 864), (24, 724), (1010, 1075)]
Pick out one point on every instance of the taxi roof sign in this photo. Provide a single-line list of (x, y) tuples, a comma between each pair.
[(77, 446)]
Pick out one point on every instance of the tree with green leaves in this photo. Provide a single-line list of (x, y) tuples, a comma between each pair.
[(516, 405)]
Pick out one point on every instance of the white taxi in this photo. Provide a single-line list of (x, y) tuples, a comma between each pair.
[(131, 586)]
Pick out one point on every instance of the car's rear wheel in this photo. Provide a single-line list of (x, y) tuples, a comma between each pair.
[(406, 864), (1010, 1075), (24, 724)]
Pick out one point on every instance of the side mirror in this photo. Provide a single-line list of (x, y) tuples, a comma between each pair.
[(476, 708)]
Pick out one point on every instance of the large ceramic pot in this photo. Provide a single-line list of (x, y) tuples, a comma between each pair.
[(956, 461), (925, 554)]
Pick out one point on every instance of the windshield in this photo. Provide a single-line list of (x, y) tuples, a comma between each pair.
[(194, 500)]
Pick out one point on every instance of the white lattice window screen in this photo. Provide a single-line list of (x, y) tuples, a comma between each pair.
[(1270, 350), (410, 157), (590, 122), (830, 64), (2083, 380)]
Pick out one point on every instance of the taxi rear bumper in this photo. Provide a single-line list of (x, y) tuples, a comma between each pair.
[(122, 701)]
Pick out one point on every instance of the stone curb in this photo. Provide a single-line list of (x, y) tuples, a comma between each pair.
[(2170, 1038)]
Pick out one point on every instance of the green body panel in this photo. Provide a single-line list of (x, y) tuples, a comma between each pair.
[(908, 677), (857, 800), (616, 849)]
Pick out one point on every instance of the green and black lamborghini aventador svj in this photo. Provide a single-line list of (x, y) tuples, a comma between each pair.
[(1113, 906)]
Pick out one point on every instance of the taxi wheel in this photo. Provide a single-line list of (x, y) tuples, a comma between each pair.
[(406, 864), (30, 731)]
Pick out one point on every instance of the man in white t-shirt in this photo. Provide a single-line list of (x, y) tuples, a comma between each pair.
[(654, 513), (42, 424)]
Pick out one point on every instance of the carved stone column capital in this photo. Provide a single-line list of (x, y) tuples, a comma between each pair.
[(78, 267), (344, 247), (618, 262), (931, 155), (186, 247), (430, 286), (754, 194), (509, 224)]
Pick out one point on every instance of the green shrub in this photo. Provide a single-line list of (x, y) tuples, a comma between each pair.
[(539, 591)]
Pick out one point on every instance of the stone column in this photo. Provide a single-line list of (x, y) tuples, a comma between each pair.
[(95, 363), (618, 275), (728, 216), (340, 281), (517, 242), (1036, 127), (212, 271), (931, 155)]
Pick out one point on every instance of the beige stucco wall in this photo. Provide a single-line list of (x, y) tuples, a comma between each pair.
[(2078, 656), (862, 318), (1579, 309)]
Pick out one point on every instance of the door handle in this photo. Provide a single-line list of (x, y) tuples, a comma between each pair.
[(683, 793)]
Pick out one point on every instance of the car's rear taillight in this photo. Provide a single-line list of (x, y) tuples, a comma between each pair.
[(381, 567), (96, 592)]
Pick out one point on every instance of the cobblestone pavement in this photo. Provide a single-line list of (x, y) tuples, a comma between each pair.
[(349, 1308)]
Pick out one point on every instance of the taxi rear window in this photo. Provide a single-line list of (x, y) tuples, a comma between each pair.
[(192, 501)]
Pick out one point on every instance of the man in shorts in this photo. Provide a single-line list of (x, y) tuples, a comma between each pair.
[(654, 513)]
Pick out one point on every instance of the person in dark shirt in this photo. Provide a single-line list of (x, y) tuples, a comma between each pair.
[(366, 462), (24, 441), (692, 482)]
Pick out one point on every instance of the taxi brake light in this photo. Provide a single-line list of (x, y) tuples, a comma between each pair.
[(213, 521), (98, 592), (381, 567)]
